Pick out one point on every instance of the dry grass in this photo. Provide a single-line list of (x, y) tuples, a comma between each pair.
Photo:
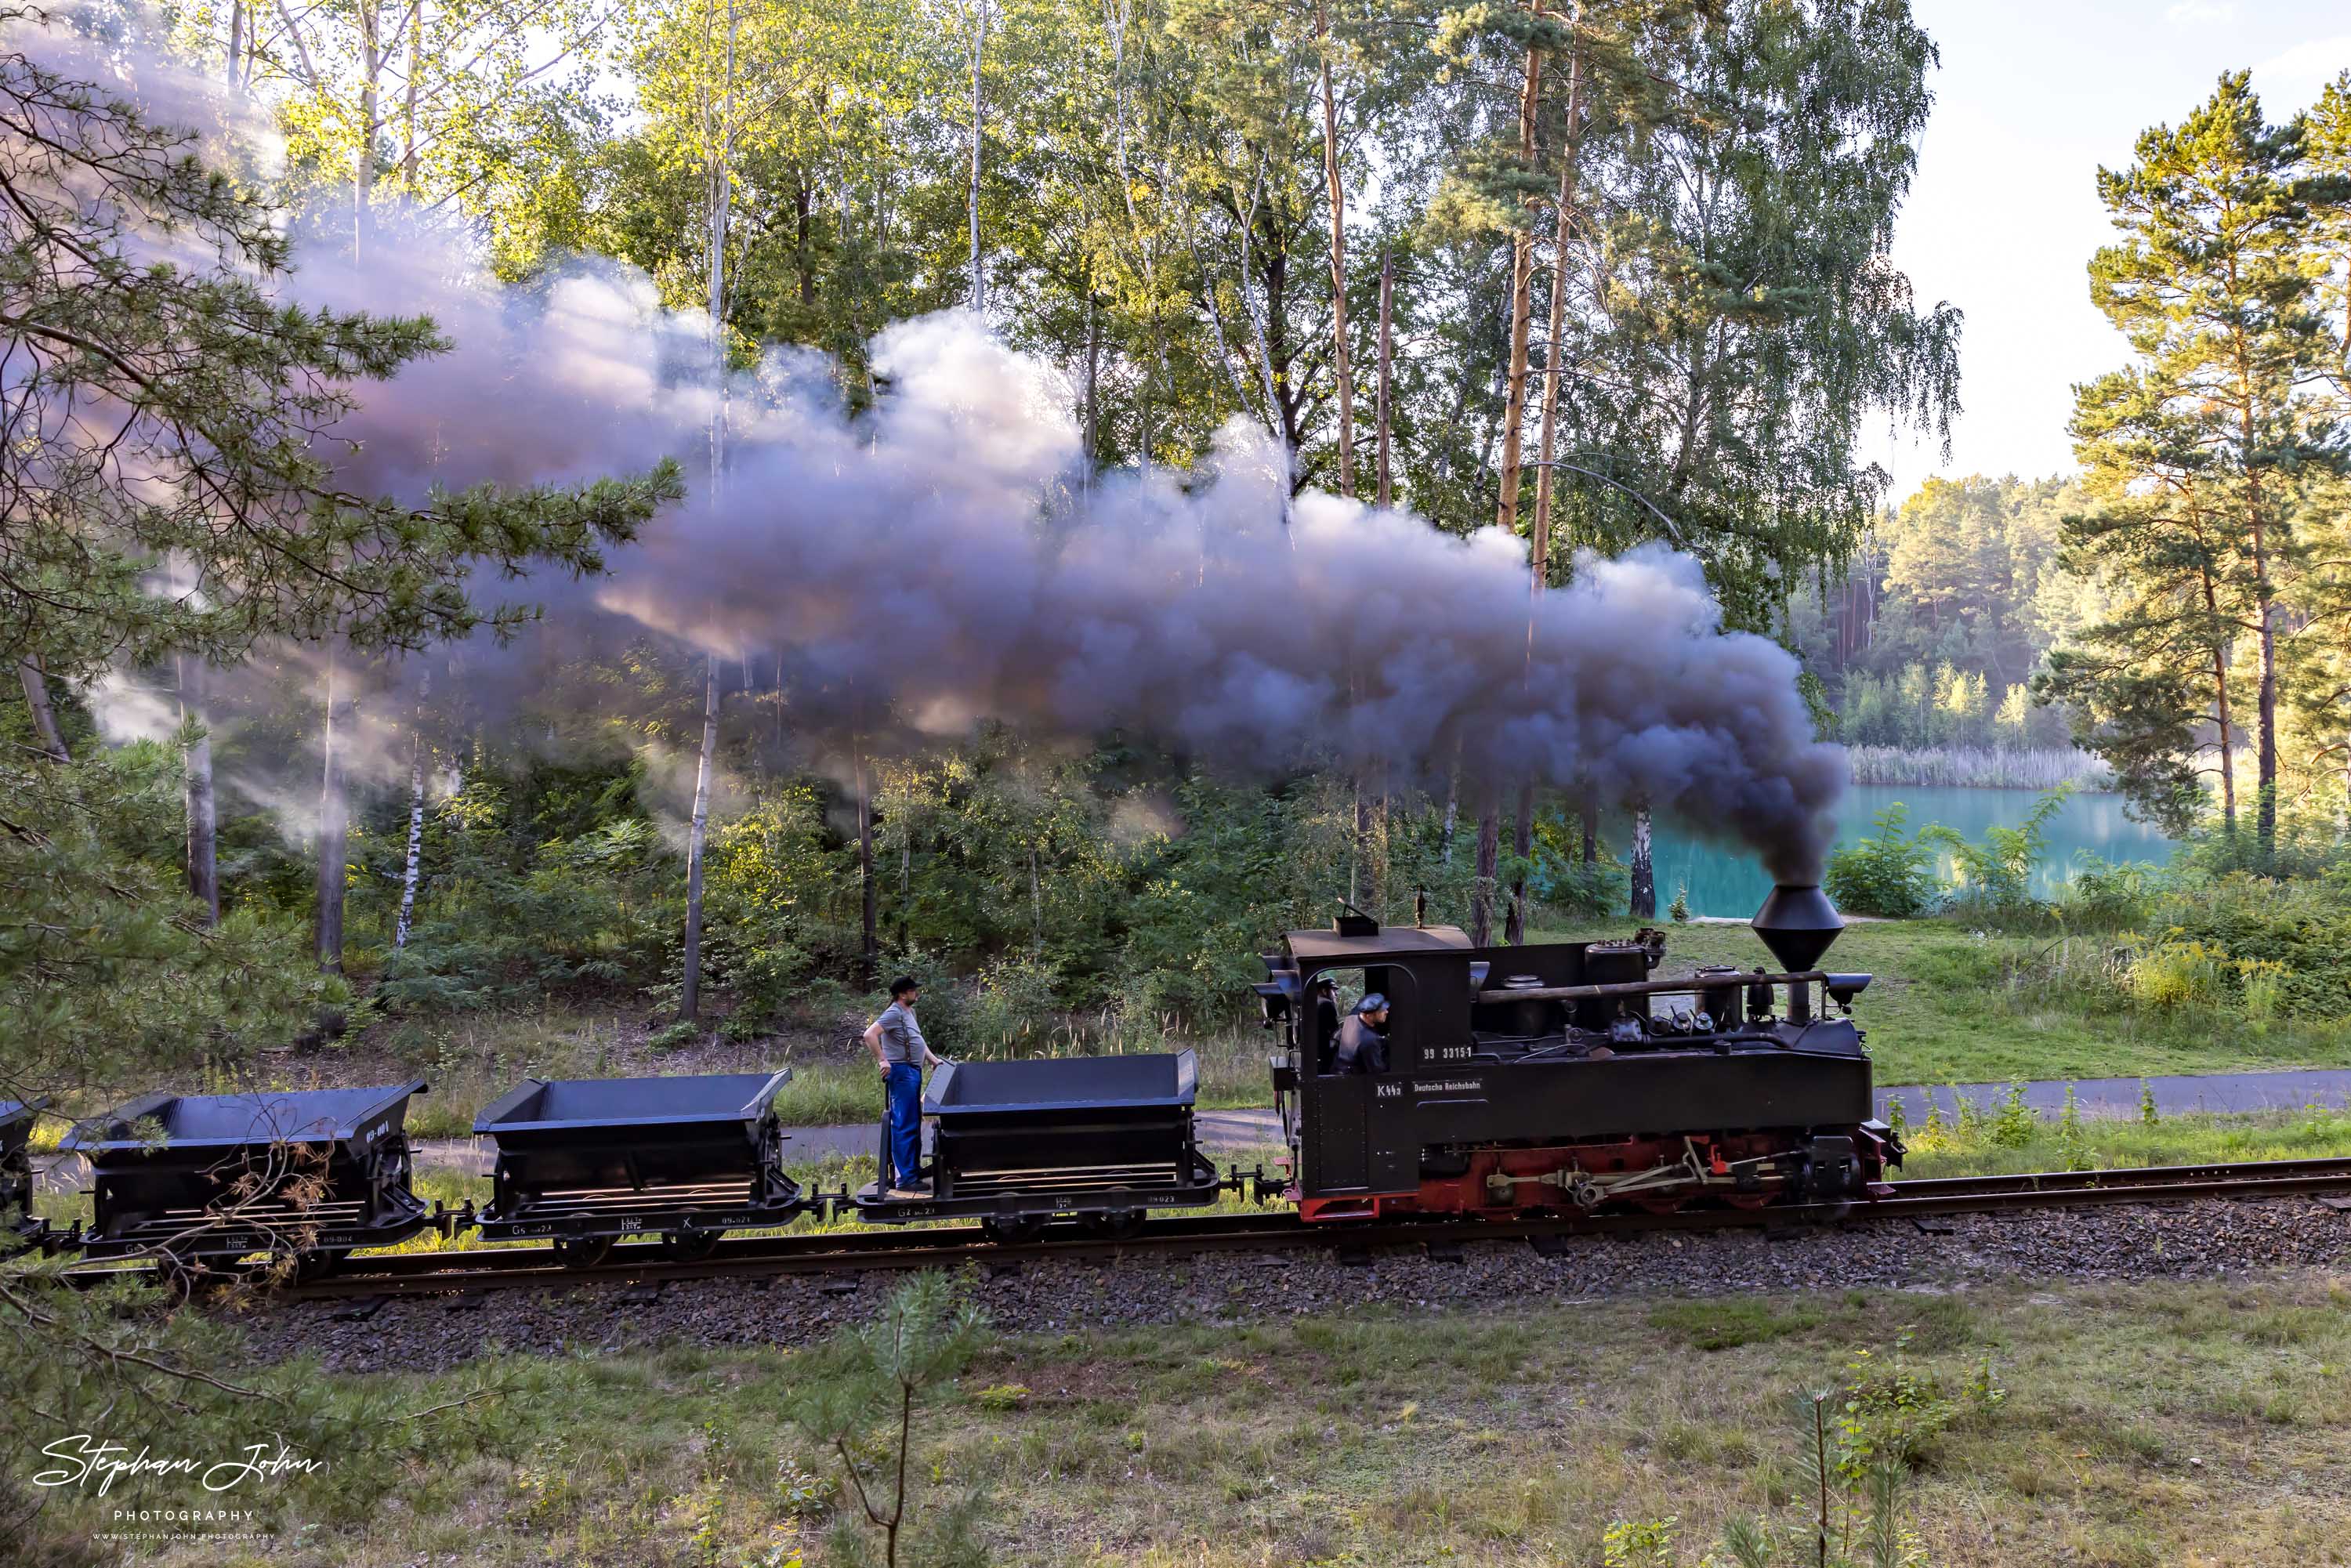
[(2145, 1424)]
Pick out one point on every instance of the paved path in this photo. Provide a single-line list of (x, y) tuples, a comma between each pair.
[(1234, 1131), (2175, 1095)]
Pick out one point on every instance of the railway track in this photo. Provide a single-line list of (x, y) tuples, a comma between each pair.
[(847, 1252)]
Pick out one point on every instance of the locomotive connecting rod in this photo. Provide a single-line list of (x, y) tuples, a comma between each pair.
[(1647, 987)]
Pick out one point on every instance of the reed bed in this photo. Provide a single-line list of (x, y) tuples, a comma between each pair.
[(1980, 768)]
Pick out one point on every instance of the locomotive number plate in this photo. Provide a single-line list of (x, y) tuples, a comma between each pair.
[(1450, 1052)]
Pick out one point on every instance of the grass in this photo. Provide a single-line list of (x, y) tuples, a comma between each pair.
[(2311, 1133), (2153, 1424)]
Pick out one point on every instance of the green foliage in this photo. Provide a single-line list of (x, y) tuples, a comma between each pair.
[(866, 1416), (1891, 873), (1995, 877), (2073, 1138), (2013, 1123), (106, 967), (1856, 1447)]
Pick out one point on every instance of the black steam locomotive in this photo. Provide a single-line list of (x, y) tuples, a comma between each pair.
[(1527, 1080), (1560, 1076)]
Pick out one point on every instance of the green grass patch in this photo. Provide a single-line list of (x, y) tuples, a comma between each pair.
[(2147, 1423)]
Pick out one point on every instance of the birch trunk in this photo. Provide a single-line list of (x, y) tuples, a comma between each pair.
[(1346, 382), (690, 1001), (370, 117), (1387, 290), (720, 195), (1645, 872), (204, 808), (1563, 235), (416, 821), (334, 826), (36, 682), (870, 953), (978, 121), (1522, 249), (408, 95)]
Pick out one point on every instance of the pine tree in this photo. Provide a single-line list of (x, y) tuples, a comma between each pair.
[(2213, 284)]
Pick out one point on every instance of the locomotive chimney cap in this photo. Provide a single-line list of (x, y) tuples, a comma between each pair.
[(1798, 923)]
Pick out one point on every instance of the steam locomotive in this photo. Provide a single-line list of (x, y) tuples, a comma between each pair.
[(1549, 1079)]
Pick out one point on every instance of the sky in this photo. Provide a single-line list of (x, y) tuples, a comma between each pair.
[(2031, 99)]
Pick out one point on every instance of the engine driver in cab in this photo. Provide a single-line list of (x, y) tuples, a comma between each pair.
[(1326, 1024), (1364, 1037)]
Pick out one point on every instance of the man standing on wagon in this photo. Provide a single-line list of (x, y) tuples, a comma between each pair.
[(899, 1050)]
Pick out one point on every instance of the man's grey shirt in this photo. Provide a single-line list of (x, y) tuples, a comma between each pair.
[(902, 1037)]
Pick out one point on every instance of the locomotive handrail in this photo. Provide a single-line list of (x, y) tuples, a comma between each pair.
[(1648, 987)]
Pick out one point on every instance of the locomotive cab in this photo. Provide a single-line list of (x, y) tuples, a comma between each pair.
[(1562, 1076)]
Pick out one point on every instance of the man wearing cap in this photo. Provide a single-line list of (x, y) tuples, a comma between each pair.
[(1364, 1037), (899, 1050)]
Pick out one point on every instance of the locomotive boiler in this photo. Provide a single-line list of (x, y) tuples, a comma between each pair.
[(1562, 1076)]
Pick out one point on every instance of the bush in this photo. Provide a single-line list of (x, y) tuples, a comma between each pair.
[(1891, 873), (1018, 1002), (1995, 877)]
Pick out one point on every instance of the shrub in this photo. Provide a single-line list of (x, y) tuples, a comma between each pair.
[(2173, 973), (1017, 1003), (1890, 873), (1995, 877)]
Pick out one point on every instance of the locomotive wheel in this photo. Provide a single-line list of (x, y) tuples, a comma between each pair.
[(1659, 1205), (1748, 1199), (582, 1251), (1116, 1226), (689, 1246), (1013, 1231)]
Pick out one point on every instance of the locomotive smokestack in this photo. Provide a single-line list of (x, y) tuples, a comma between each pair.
[(1797, 922)]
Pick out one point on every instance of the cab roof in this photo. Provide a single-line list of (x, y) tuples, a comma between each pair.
[(1323, 944)]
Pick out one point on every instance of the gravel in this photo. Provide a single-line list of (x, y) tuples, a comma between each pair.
[(2192, 1240)]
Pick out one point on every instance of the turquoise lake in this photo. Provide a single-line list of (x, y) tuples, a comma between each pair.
[(1723, 880)]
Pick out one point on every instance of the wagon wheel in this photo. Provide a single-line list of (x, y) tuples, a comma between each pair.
[(1015, 1230), (689, 1246), (1116, 1225), (582, 1251), (315, 1265)]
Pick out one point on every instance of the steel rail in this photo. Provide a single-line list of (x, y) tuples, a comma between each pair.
[(929, 1247)]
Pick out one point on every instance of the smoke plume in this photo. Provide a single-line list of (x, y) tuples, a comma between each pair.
[(946, 556)]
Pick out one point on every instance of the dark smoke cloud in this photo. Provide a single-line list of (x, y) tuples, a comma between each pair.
[(946, 558)]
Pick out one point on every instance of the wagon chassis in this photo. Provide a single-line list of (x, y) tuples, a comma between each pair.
[(932, 1246)]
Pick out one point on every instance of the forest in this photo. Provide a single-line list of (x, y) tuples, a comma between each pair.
[(519, 507)]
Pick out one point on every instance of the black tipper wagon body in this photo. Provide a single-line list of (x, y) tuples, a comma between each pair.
[(16, 1119), (583, 1161), (316, 1171), (1102, 1138)]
